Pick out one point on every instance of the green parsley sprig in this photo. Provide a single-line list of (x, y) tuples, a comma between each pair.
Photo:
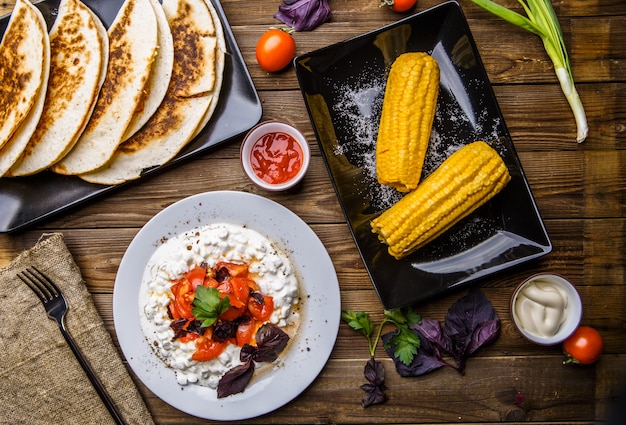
[(406, 341), (209, 305)]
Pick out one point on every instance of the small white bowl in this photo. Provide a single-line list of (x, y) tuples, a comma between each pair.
[(258, 132), (573, 312)]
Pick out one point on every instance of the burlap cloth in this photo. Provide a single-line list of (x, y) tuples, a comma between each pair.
[(41, 382)]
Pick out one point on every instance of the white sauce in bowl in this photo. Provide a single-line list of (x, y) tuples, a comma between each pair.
[(269, 267), (541, 307)]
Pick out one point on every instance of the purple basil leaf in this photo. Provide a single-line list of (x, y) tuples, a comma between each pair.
[(374, 372), (432, 331), (270, 341), (484, 334), (223, 331), (247, 353), (303, 15), (374, 394), (235, 380), (426, 360), (463, 319)]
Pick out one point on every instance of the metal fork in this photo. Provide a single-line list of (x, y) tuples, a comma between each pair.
[(56, 307)]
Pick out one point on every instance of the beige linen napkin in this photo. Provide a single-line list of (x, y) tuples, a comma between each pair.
[(41, 382)]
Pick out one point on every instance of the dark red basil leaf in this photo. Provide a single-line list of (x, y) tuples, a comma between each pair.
[(247, 352), (235, 380), (304, 15), (465, 316), (484, 334), (431, 330), (374, 372), (374, 394), (224, 331), (270, 336), (195, 326), (222, 274), (427, 359)]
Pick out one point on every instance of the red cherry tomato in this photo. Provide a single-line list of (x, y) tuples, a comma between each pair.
[(275, 50), (399, 5), (262, 311), (584, 346), (245, 332), (207, 349)]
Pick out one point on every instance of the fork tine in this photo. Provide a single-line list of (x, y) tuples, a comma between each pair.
[(39, 283)]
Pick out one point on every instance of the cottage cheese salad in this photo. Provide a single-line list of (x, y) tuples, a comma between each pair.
[(212, 292)]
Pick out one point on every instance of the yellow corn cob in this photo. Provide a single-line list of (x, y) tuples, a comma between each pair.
[(463, 182), (406, 120)]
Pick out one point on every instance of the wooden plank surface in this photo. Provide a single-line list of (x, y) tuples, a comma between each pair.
[(579, 189)]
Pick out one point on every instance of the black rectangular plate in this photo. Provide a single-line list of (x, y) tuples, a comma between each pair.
[(25, 201), (343, 87)]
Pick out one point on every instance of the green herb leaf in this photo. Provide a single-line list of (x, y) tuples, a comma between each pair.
[(209, 305), (359, 321), (405, 340)]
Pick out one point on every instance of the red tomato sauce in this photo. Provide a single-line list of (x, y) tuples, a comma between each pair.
[(276, 157)]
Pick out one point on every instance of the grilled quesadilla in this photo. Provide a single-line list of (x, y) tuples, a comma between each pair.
[(160, 75), (132, 49), (24, 68), (79, 55), (190, 100)]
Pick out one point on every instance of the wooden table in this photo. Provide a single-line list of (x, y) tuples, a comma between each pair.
[(580, 191)]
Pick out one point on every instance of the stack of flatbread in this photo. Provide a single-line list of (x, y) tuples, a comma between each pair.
[(107, 104)]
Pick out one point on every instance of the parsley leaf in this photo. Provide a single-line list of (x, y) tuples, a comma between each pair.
[(209, 305), (405, 340)]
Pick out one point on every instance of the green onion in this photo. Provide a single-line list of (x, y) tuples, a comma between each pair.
[(543, 22)]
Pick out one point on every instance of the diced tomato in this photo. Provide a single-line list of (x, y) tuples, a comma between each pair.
[(207, 349), (181, 305), (245, 332), (261, 311), (226, 290), (232, 313), (189, 337), (241, 288), (234, 269), (210, 282), (196, 276)]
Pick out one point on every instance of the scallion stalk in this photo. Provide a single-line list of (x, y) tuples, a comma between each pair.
[(542, 21)]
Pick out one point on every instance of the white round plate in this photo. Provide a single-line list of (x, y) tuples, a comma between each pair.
[(319, 297)]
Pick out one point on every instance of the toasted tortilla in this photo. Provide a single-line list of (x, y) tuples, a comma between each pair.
[(79, 55), (191, 97), (132, 49), (160, 75), (23, 67)]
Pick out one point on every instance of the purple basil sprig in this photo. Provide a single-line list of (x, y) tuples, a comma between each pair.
[(303, 15), (270, 341), (375, 388), (471, 323)]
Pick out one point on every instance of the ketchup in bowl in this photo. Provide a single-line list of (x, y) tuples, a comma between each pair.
[(275, 155)]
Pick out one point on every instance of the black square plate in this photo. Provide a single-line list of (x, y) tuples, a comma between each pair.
[(28, 200), (343, 87)]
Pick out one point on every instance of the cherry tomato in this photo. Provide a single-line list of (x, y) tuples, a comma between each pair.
[(245, 332), (207, 349), (184, 294), (261, 311), (275, 49), (196, 276), (399, 5), (584, 346)]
